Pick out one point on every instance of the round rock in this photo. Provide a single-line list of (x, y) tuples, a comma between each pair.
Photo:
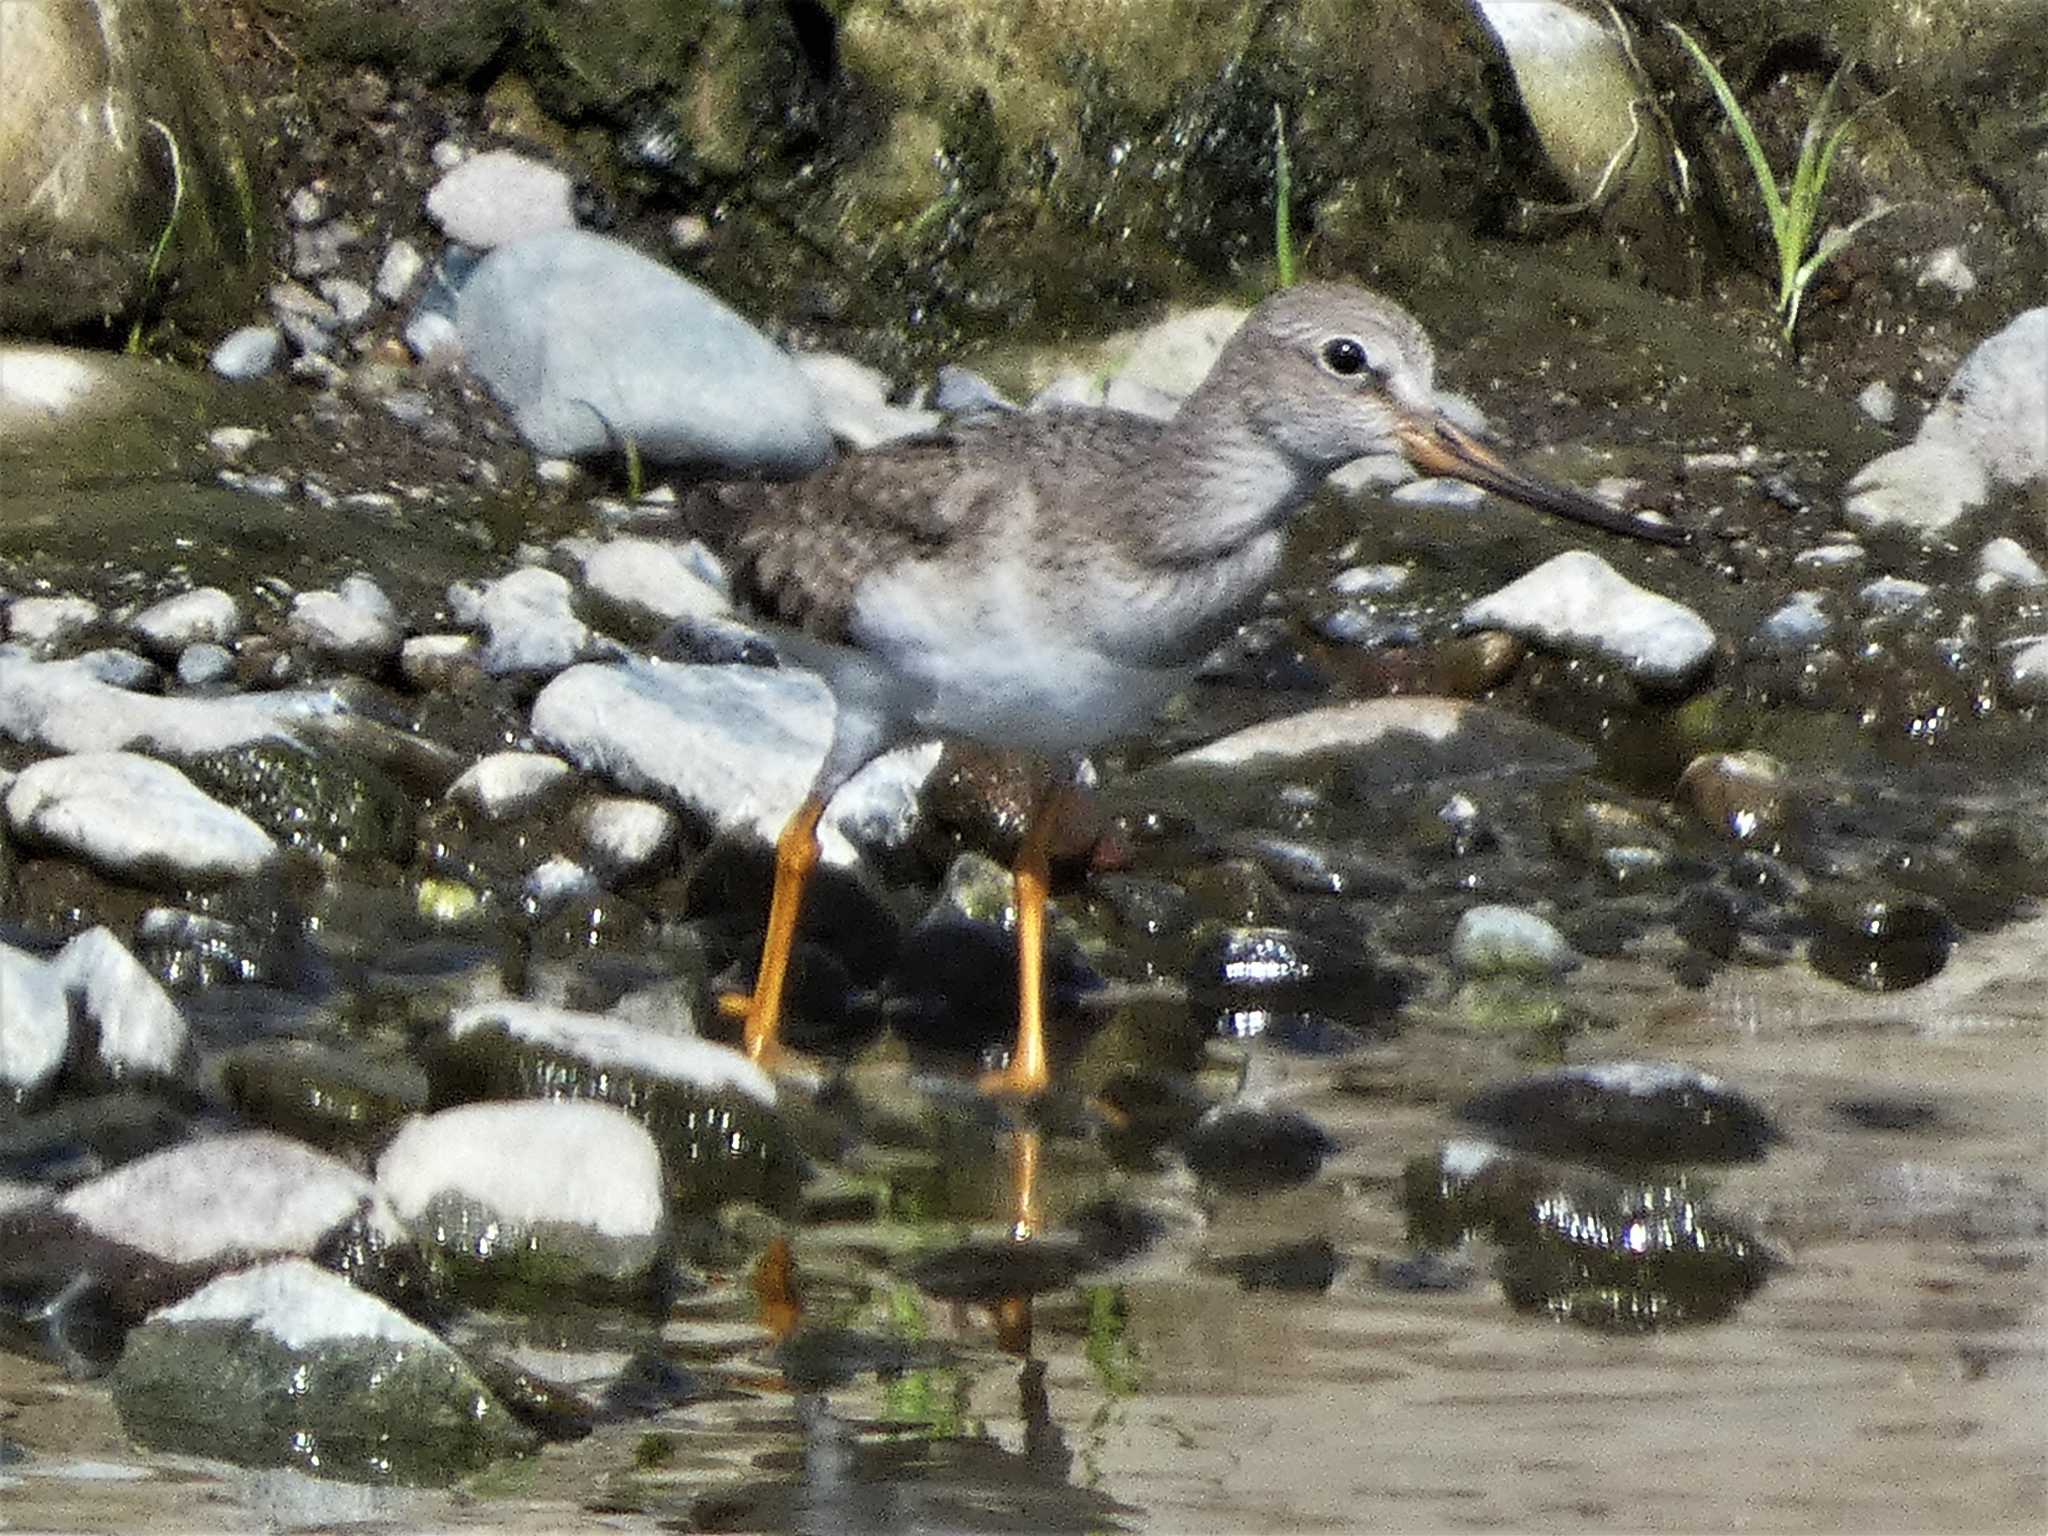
[(135, 818), (591, 346)]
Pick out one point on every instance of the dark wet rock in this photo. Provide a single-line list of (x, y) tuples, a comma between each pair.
[(591, 346), (1577, 602), (1316, 869), (1625, 1112), (1892, 1113), (711, 1111), (1423, 1272), (957, 969), (1709, 920), (848, 925), (1620, 1255), (1591, 829), (135, 818), (1308, 1266), (555, 1413), (326, 802), (817, 1359), (287, 1364), (250, 934), (77, 1139), (1509, 941), (1878, 940), (648, 1384), (1253, 1151), (992, 1270), (338, 1099), (1150, 1109), (524, 1201), (1289, 982), (157, 1228)]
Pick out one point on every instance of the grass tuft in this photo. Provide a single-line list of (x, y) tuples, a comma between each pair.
[(1283, 202), (1794, 210)]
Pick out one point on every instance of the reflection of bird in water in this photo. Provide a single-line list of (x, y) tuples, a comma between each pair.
[(1048, 581), (889, 1476)]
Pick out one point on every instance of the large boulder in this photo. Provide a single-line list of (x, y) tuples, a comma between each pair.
[(115, 126)]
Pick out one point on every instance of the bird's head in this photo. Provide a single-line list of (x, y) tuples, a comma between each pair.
[(1331, 373)]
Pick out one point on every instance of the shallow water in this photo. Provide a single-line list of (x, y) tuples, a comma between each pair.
[(1890, 1377)]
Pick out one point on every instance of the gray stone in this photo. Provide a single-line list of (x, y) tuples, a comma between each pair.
[(229, 1199), (287, 1364), (551, 1193), (527, 621), (498, 197), (1802, 621), (591, 345), (248, 353), (1438, 738), (60, 706), (205, 613), (2005, 562), (355, 624), (648, 578), (1990, 427), (1578, 601), (35, 1022), (120, 668), (1581, 94), (399, 270), (205, 665), (736, 745), (349, 300), (140, 1029), (507, 784), (136, 819), (47, 624), (1510, 941), (625, 839), (1893, 594), (855, 401)]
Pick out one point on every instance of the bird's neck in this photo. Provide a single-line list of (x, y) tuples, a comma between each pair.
[(1214, 484)]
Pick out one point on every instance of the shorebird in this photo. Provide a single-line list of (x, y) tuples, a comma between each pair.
[(1048, 580)]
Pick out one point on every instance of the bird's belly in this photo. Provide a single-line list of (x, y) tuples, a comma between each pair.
[(1053, 699), (992, 660)]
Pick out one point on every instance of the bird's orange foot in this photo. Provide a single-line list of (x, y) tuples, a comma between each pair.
[(793, 1068)]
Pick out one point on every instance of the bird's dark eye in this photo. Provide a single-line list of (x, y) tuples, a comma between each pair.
[(1345, 356)]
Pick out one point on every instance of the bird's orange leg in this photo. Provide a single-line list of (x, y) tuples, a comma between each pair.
[(796, 855), (1027, 1074)]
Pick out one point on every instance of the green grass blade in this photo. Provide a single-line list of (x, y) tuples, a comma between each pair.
[(1766, 182), (1283, 201)]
